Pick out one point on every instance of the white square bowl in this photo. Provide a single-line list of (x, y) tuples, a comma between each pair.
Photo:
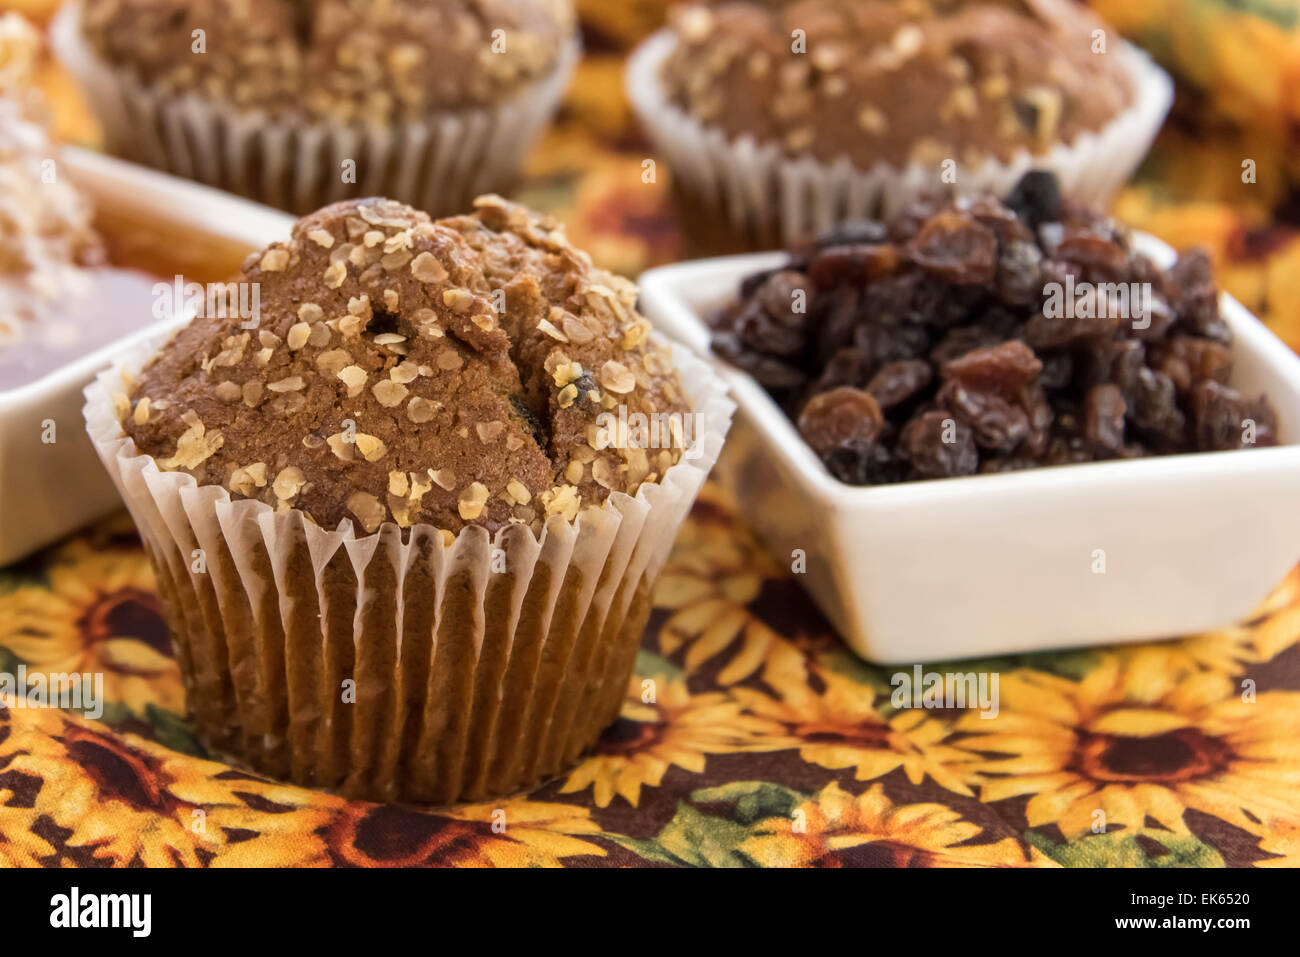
[(999, 564), (48, 490)]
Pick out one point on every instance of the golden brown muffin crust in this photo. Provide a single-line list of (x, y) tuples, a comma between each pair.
[(896, 80), (414, 371), (344, 60)]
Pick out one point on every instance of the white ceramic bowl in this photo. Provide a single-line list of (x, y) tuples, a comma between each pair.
[(50, 489), (996, 564)]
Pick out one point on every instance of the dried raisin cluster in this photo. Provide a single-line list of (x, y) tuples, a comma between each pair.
[(929, 346)]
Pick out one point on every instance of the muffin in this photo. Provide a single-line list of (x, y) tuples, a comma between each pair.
[(782, 118), (423, 480), (301, 104)]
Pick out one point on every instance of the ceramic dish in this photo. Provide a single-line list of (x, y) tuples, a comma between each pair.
[(996, 564)]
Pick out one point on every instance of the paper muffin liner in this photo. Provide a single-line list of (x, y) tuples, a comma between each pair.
[(479, 667), (438, 164), (755, 196)]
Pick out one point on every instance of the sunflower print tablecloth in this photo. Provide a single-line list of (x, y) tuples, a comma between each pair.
[(750, 736)]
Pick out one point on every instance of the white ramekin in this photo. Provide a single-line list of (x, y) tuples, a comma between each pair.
[(995, 564)]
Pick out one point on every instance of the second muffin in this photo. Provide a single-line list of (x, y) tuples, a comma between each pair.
[(782, 118), (430, 101)]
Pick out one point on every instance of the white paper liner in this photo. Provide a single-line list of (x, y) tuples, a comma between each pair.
[(470, 682), (767, 198), (439, 164)]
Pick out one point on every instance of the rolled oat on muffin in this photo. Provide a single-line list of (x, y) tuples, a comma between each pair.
[(432, 100), (785, 117), (416, 459)]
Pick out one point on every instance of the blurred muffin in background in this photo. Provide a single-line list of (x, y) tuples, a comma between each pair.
[(299, 104), (781, 118)]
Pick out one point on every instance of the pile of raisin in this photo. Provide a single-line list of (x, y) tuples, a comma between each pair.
[(935, 345)]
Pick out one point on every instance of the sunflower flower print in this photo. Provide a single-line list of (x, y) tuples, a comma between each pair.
[(663, 726), (98, 614), (729, 603), (837, 726), (836, 829), (74, 794), (1136, 738), (510, 833)]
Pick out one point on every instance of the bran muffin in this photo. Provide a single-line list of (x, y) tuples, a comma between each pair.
[(871, 99), (429, 98), (410, 476)]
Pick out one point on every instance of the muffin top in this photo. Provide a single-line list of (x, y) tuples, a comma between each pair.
[(45, 224), (335, 59), (447, 372), (896, 80)]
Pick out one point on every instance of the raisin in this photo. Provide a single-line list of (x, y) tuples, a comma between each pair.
[(785, 298), (937, 445), (956, 247), (758, 331), (1093, 258), (863, 463), (850, 367), (770, 373), (1036, 198), (885, 343), (1155, 408), (854, 265), (1004, 369), (898, 381), (841, 319), (1058, 371), (1002, 219), (915, 298), (1116, 360), (1103, 427), (1218, 417), (839, 417), (1019, 272), (1055, 332), (999, 425), (909, 220), (1196, 298), (962, 340), (1187, 361)]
